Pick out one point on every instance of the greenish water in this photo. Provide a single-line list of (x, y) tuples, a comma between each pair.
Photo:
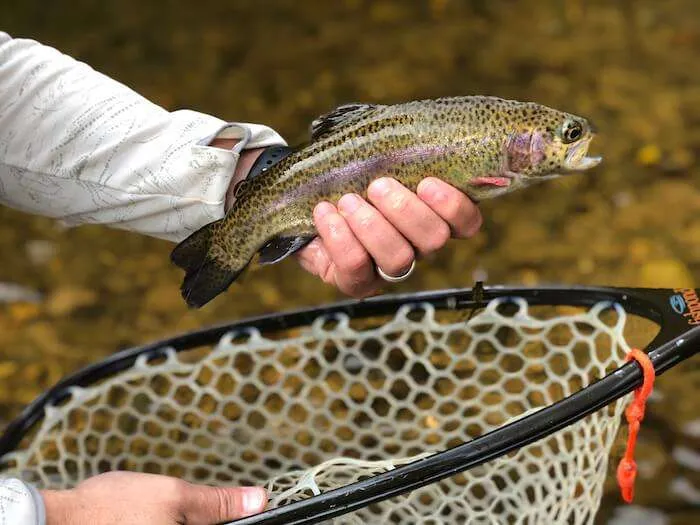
[(629, 66)]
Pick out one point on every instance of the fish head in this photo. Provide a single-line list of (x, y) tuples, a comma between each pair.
[(544, 143)]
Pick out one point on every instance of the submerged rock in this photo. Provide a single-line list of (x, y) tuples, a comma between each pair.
[(16, 293)]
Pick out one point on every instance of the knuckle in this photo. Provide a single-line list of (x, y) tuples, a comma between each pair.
[(180, 489), (400, 261), (180, 494), (454, 210), (326, 271), (357, 288), (354, 262), (229, 503), (474, 223), (364, 219), (437, 238), (399, 202), (358, 292), (335, 227)]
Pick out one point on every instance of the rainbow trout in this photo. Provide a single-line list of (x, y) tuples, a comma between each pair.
[(485, 146)]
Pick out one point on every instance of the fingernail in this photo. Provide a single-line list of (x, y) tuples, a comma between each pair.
[(254, 499), (322, 209), (349, 203), (380, 187), (431, 191)]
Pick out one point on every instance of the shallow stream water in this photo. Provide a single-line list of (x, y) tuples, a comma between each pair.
[(630, 66)]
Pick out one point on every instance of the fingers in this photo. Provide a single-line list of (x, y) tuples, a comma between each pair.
[(388, 231), (204, 505), (385, 244), (451, 205), (424, 228), (351, 268), (314, 259)]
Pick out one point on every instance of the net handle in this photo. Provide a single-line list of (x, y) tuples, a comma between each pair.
[(482, 449)]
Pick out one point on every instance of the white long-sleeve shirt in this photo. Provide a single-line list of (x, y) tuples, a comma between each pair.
[(81, 147), (78, 146)]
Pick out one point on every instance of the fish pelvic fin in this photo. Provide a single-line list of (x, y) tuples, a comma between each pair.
[(282, 247), (205, 277)]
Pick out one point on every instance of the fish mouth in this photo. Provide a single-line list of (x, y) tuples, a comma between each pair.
[(577, 158)]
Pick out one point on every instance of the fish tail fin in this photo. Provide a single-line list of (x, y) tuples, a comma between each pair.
[(206, 282), (205, 277)]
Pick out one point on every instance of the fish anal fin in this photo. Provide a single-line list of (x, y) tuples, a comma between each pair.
[(341, 115), (281, 247)]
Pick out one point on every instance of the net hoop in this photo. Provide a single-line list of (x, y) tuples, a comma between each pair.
[(561, 503)]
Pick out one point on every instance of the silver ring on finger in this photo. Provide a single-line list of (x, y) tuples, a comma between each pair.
[(399, 278)]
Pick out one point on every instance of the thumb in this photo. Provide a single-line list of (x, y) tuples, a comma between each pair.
[(203, 505)]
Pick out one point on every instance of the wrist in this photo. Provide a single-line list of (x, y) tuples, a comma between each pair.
[(246, 160), (58, 505)]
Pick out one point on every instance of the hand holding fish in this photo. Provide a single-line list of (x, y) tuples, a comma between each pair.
[(388, 232)]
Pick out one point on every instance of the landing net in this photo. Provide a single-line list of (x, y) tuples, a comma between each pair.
[(306, 410)]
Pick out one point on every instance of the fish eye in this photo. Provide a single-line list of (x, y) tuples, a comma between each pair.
[(572, 131)]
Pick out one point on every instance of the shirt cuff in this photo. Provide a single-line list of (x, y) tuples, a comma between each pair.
[(249, 136), (20, 503), (192, 194)]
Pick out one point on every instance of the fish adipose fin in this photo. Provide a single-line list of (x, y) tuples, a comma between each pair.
[(341, 115), (281, 247), (205, 278)]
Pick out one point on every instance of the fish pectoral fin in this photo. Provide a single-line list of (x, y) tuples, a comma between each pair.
[(282, 247), (340, 115), (492, 181)]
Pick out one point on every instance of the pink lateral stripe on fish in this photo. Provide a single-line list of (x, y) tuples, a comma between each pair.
[(361, 168)]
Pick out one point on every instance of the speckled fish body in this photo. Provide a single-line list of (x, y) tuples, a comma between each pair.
[(485, 146)]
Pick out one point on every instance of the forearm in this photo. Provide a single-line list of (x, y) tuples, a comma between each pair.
[(79, 146)]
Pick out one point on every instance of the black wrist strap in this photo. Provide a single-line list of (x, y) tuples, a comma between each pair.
[(268, 158)]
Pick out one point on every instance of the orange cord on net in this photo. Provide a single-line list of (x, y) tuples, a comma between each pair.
[(627, 469)]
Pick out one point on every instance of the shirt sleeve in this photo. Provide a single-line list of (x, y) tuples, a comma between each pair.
[(20, 503), (81, 147)]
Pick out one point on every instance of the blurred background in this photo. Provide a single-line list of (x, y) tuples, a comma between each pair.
[(629, 66)]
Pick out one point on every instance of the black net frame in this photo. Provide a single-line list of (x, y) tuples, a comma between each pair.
[(677, 340)]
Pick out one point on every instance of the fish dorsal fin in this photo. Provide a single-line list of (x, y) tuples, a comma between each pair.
[(341, 115)]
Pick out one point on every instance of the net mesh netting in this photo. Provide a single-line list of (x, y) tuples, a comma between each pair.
[(305, 410)]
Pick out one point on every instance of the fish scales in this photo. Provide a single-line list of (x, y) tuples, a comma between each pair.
[(484, 146)]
